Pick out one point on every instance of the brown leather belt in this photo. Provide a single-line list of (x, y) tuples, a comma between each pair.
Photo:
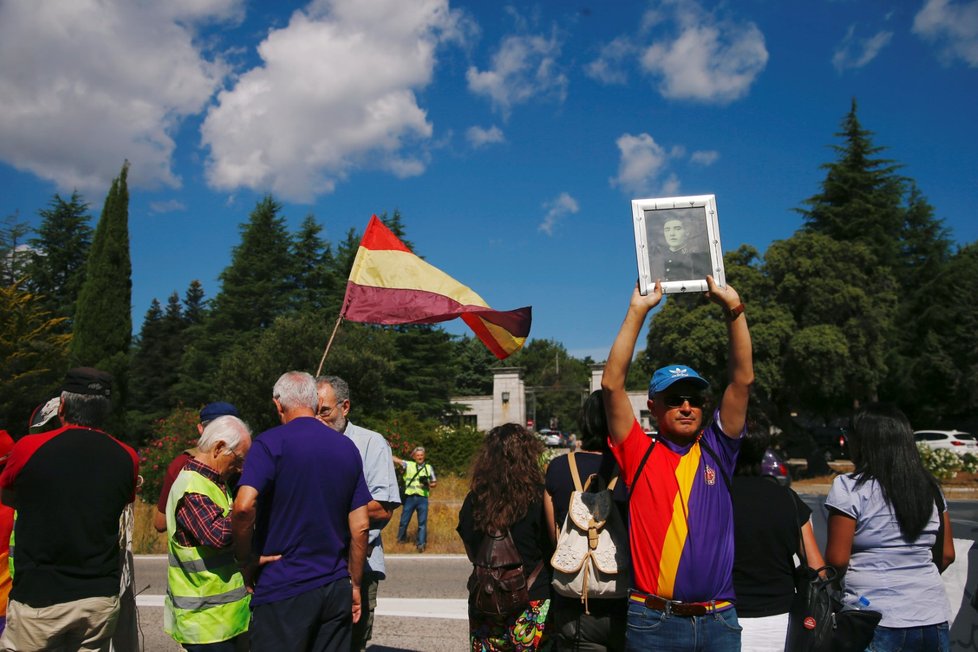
[(679, 608)]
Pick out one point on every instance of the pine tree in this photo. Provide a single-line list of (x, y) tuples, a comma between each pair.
[(33, 356), (102, 329), (315, 287), (194, 304), (146, 382), (861, 195), (59, 252), (257, 285), (13, 258)]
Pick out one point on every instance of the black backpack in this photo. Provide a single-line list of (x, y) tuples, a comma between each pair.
[(498, 586)]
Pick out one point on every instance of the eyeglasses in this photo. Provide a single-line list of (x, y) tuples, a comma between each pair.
[(677, 400)]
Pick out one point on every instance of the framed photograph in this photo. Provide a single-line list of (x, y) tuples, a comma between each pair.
[(677, 241)]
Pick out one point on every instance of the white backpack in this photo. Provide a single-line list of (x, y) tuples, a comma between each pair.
[(591, 559)]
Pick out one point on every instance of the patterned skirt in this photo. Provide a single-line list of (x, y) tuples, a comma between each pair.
[(530, 629)]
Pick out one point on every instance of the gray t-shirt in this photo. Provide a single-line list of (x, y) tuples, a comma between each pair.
[(898, 577), (378, 470)]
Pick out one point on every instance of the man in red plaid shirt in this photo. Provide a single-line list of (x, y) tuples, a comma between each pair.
[(198, 518)]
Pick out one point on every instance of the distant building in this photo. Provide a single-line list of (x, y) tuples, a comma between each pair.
[(507, 403)]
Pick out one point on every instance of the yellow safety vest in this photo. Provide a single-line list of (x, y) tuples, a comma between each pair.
[(413, 472), (206, 600)]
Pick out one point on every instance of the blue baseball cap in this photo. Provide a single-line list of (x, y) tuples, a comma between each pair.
[(666, 376), (220, 409)]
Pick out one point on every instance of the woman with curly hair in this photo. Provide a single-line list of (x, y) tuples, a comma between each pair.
[(506, 495), (884, 527)]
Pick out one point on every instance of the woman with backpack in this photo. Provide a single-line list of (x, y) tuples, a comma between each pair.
[(506, 537), (599, 624), (890, 534)]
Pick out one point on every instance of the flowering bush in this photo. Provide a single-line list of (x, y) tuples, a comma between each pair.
[(171, 435), (969, 463), (941, 462)]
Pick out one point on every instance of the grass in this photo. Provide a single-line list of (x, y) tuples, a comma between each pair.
[(444, 503), (145, 539)]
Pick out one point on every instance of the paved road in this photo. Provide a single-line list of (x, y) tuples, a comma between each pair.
[(422, 604)]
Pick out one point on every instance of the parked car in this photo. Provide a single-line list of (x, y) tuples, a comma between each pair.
[(773, 465), (953, 440), (550, 437)]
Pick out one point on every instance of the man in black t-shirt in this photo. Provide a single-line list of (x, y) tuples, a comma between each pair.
[(69, 487)]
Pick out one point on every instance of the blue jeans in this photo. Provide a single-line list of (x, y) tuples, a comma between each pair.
[(928, 638), (651, 629), (412, 504)]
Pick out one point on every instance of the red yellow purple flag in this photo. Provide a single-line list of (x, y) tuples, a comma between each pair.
[(390, 285)]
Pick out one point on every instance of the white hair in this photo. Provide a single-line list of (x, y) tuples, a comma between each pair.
[(296, 389), (227, 428)]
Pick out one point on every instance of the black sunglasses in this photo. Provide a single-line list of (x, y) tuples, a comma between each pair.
[(677, 400)]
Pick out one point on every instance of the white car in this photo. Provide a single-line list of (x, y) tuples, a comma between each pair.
[(550, 437), (953, 440)]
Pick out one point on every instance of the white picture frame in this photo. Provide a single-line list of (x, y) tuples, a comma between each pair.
[(677, 240)]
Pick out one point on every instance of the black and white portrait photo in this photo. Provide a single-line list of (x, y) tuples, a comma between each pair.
[(673, 241)]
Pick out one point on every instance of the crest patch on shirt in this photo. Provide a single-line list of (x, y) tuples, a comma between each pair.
[(710, 475)]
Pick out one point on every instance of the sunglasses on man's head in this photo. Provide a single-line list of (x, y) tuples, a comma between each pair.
[(677, 400)]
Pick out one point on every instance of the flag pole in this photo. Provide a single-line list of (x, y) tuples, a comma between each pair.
[(339, 320)]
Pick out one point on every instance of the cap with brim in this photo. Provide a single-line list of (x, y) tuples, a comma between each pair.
[(219, 409), (88, 380), (664, 377), (45, 413)]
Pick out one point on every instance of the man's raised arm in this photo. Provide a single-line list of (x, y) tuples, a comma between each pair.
[(616, 404), (740, 362)]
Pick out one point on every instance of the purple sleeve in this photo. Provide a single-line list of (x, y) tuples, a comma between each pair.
[(725, 447), (259, 467)]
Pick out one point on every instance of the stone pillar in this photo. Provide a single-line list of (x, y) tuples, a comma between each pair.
[(596, 371), (508, 396)]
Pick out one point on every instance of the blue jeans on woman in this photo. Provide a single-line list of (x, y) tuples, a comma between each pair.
[(652, 629), (927, 638), (414, 503)]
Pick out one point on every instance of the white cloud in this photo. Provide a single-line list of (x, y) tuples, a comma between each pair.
[(953, 26), (702, 57), (557, 209), (643, 166), (480, 136), (525, 67), (608, 68), (855, 52), (88, 83), (705, 157), (335, 92), (168, 206)]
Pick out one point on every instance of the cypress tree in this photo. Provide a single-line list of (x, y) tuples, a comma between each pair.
[(102, 329), (57, 263)]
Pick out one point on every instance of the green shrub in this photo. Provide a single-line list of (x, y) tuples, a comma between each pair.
[(449, 450), (942, 463), (969, 463), (172, 435)]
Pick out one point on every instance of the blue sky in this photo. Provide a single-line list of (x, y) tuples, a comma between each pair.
[(512, 138)]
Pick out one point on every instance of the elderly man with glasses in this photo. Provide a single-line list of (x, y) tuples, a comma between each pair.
[(680, 511), (207, 603)]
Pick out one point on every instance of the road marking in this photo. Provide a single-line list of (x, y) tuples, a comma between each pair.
[(441, 608)]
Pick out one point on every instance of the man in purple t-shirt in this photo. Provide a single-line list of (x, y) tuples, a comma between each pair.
[(302, 495)]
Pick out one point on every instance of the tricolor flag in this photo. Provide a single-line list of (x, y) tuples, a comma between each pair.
[(390, 285)]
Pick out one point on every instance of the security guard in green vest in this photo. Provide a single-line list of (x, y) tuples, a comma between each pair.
[(419, 479), (206, 604)]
